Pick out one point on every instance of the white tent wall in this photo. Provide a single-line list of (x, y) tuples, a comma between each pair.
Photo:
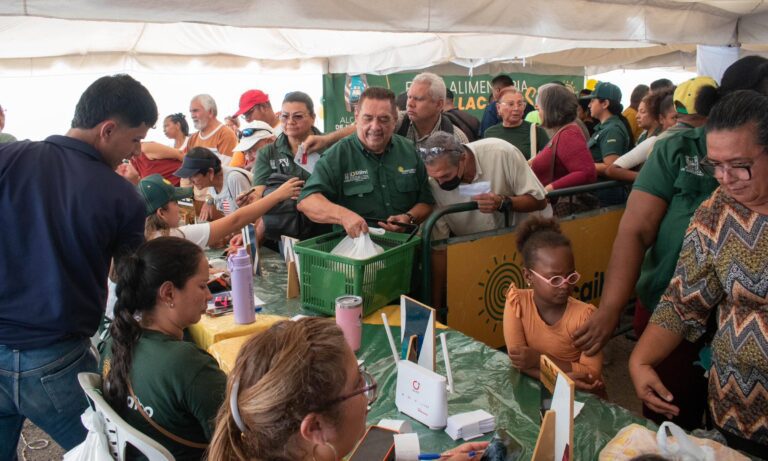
[(52, 49), (40, 94)]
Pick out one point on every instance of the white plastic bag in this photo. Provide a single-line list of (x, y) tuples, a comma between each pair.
[(635, 440), (681, 447), (361, 247), (95, 446)]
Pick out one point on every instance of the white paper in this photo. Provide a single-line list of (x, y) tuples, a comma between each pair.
[(476, 188), (311, 160), (399, 425), (407, 447), (577, 406), (289, 253), (561, 405)]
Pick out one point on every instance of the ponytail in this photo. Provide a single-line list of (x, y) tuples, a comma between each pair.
[(139, 277)]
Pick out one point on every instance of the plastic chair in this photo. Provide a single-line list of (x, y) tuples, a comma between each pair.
[(120, 432)]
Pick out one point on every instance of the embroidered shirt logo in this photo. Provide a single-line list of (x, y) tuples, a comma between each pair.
[(356, 176)]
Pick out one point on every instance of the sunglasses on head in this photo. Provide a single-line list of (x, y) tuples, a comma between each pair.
[(248, 132)]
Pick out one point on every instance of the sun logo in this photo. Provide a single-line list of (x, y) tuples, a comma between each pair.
[(495, 287)]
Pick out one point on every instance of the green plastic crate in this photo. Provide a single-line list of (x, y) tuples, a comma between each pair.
[(379, 280)]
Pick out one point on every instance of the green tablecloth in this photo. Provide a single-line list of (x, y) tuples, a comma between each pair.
[(483, 379)]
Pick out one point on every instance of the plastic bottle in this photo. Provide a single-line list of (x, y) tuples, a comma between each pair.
[(241, 273)]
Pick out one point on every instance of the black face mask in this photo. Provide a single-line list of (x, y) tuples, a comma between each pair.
[(451, 184)]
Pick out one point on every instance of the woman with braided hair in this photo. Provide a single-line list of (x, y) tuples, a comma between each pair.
[(163, 386)]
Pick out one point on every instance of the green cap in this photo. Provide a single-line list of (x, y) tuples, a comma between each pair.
[(158, 191), (605, 90)]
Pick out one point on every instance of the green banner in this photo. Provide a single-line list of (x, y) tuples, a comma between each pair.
[(470, 93)]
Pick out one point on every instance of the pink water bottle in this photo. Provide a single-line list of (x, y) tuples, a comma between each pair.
[(349, 317), (241, 273)]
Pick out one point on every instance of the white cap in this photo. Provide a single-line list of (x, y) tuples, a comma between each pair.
[(251, 133)]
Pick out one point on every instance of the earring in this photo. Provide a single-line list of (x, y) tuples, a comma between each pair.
[(171, 304), (333, 449)]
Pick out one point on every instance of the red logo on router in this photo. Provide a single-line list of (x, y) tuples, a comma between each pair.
[(416, 385)]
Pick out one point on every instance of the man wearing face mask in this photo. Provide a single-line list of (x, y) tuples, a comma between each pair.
[(500, 179)]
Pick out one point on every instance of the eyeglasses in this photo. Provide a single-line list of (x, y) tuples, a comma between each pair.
[(370, 389), (248, 132), (718, 170), (513, 104), (558, 280), (297, 117), (247, 114)]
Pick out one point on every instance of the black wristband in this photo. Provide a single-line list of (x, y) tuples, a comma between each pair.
[(411, 217), (506, 204)]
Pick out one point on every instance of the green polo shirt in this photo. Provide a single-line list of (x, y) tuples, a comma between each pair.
[(610, 138), (519, 136), (672, 174), (180, 386), (371, 185), (278, 158)]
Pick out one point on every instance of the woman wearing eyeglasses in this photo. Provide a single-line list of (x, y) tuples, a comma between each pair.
[(542, 319), (720, 279), (298, 119), (297, 393)]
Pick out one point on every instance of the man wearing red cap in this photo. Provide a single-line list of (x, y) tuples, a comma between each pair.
[(255, 105)]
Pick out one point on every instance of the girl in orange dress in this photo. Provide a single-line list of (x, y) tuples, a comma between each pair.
[(542, 319)]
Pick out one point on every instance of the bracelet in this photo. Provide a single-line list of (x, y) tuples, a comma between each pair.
[(411, 217)]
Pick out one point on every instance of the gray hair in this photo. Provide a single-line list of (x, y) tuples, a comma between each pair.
[(440, 145), (435, 82), (208, 103), (557, 105)]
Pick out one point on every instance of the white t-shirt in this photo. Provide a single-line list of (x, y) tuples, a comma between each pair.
[(502, 164), (236, 181), (638, 155)]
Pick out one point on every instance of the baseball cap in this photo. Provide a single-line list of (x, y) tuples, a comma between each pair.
[(251, 133), (687, 92), (605, 90), (157, 191), (249, 99), (192, 165)]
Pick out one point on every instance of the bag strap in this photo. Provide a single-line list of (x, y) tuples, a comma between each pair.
[(533, 140), (160, 429), (555, 140)]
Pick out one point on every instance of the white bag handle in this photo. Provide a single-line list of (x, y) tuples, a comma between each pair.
[(683, 448)]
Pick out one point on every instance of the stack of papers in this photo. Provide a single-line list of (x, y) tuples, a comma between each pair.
[(470, 425)]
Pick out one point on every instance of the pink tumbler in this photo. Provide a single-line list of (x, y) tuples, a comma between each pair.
[(349, 317)]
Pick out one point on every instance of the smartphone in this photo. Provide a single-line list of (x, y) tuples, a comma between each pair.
[(377, 445)]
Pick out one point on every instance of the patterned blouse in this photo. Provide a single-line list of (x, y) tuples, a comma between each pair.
[(723, 270)]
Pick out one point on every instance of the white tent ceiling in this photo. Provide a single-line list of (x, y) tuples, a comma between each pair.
[(356, 36)]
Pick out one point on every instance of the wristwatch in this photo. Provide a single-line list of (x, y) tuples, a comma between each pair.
[(506, 203), (209, 200), (410, 217)]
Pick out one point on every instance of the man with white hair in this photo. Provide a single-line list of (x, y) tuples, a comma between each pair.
[(422, 117), (210, 134), (213, 135), (426, 97)]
